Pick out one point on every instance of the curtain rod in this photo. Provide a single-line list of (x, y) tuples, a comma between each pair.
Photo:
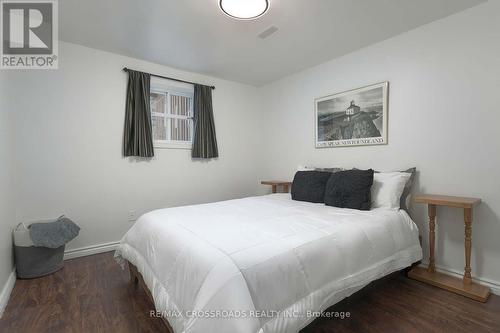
[(125, 69)]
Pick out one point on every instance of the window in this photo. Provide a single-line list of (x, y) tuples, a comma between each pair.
[(171, 113)]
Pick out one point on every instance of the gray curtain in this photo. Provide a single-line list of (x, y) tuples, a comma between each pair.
[(204, 140), (137, 135)]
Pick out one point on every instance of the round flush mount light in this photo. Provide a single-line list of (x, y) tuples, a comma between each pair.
[(244, 9)]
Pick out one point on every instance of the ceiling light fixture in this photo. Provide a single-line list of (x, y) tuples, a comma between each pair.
[(244, 9)]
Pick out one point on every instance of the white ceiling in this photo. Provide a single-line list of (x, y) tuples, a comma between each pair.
[(195, 35)]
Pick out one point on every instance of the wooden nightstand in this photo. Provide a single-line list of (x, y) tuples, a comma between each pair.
[(465, 286), (275, 183)]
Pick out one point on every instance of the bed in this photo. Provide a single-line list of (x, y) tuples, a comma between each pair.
[(262, 264)]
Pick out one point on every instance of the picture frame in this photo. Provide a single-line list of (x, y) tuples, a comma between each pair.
[(357, 117)]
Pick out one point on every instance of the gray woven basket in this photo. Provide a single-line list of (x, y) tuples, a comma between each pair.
[(32, 261)]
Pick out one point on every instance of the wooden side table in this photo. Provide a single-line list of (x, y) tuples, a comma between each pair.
[(465, 286), (276, 183)]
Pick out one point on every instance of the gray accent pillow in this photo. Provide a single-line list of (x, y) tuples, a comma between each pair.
[(407, 189), (332, 170)]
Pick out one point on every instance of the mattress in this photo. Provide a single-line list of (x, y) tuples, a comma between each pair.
[(265, 264)]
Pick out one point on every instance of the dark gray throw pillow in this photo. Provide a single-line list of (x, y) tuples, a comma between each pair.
[(349, 189), (310, 186)]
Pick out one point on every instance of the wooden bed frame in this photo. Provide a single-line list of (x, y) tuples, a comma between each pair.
[(136, 279)]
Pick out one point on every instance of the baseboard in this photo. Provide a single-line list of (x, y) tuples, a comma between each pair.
[(6, 290), (90, 250), (493, 285)]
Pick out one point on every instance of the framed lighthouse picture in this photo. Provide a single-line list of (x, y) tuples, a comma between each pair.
[(356, 117)]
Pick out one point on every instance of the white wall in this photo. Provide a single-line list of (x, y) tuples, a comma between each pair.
[(443, 118), (69, 128), (7, 221)]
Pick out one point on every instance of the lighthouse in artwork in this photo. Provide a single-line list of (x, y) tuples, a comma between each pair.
[(352, 109)]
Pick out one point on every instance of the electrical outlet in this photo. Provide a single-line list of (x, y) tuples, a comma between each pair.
[(132, 215)]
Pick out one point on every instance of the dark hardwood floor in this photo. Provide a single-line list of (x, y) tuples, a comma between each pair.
[(92, 294)]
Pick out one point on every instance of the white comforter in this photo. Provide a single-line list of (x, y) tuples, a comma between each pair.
[(260, 264)]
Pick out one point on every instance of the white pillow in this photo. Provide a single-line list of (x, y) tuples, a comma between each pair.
[(387, 189), (305, 168)]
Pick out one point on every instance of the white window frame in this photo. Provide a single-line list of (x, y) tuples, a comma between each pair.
[(167, 88)]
